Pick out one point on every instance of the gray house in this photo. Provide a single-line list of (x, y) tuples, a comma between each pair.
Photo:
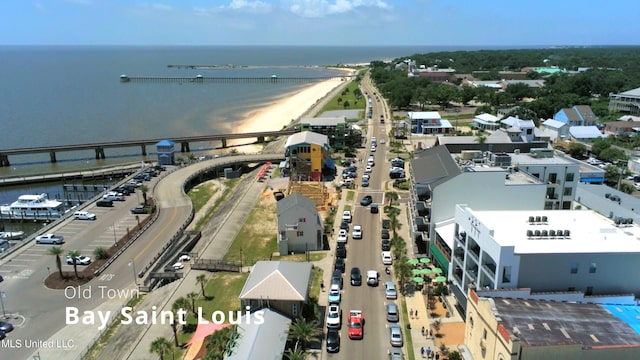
[(279, 285), (299, 225), (261, 339)]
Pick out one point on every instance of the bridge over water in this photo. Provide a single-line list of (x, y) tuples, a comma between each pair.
[(199, 79), (99, 147)]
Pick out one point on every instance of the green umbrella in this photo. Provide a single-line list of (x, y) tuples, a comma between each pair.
[(415, 271), (425, 260), (413, 261), (425, 271), (440, 279), (418, 279), (436, 270)]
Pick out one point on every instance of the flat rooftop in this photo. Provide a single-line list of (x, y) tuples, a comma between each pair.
[(540, 322), (589, 231), (527, 159)]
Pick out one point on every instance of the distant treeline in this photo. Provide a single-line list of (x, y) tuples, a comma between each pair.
[(612, 69)]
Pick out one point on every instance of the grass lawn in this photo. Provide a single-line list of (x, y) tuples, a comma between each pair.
[(313, 256), (201, 194), (223, 291), (347, 95), (350, 195), (407, 333), (347, 207), (257, 239), (229, 186)]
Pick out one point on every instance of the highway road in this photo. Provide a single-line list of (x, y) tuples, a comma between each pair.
[(366, 253)]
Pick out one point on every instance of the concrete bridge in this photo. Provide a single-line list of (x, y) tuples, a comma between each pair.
[(99, 147)]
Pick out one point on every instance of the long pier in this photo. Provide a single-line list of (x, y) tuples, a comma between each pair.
[(99, 147), (199, 79)]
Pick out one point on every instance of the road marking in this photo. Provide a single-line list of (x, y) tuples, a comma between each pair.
[(107, 277)]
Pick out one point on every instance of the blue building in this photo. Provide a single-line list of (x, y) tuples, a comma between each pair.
[(579, 115), (166, 152)]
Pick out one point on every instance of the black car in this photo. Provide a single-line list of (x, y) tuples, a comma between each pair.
[(6, 327), (384, 234), (341, 252), (366, 201), (336, 278), (386, 245), (344, 225), (356, 276), (104, 203), (333, 340), (123, 190), (374, 208), (140, 209), (3, 335), (386, 224), (340, 265)]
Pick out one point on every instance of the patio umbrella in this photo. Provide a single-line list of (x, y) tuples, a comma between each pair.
[(440, 279), (425, 271), (425, 260), (415, 271), (436, 270), (418, 279), (413, 261)]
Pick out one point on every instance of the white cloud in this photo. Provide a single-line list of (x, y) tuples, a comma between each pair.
[(161, 7), (255, 5), (319, 8)]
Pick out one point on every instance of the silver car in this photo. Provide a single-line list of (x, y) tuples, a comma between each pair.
[(395, 336), (390, 290), (392, 312)]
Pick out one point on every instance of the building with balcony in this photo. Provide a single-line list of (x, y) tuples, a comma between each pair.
[(307, 156), (519, 130), (627, 102), (525, 329), (486, 121), (436, 182), (555, 255), (427, 122), (337, 129)]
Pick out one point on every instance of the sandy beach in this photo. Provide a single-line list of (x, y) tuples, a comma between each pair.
[(283, 111)]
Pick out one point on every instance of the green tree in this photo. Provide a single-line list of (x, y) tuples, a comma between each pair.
[(303, 331), (444, 94), (57, 251), (598, 145), (100, 253), (192, 297), (454, 355), (467, 93), (160, 346), (394, 224), (144, 189), (220, 343), (519, 91), (577, 150), (74, 254), (202, 280), (611, 154), (392, 196), (296, 354), (180, 303), (346, 104)]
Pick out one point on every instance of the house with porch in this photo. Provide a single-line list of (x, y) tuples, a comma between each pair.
[(427, 122), (299, 225)]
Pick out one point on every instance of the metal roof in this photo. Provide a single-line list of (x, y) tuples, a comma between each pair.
[(307, 137), (585, 132), (433, 166), (261, 341), (278, 280)]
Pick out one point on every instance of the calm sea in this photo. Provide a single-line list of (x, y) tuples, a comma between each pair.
[(70, 95)]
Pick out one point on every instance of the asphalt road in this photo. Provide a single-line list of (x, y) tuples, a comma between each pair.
[(366, 253)]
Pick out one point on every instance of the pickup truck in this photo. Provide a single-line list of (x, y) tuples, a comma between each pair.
[(356, 324), (49, 239)]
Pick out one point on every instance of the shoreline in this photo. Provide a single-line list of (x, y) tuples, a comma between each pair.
[(285, 110)]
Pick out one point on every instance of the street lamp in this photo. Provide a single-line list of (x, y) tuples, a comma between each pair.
[(2, 295), (240, 257), (132, 263), (115, 239)]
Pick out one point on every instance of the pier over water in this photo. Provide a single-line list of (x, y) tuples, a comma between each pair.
[(199, 79)]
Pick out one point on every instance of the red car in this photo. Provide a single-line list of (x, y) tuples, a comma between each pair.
[(356, 324)]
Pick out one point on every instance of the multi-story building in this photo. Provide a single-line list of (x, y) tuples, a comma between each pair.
[(307, 156), (579, 115), (621, 127), (336, 128), (439, 182), (525, 329), (627, 102), (546, 252), (427, 122), (519, 129), (299, 225)]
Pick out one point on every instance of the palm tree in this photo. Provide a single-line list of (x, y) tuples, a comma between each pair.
[(303, 331), (481, 139), (392, 196), (193, 296), (202, 280), (297, 354), (143, 189), (74, 254), (57, 251), (160, 346), (403, 270), (179, 304), (393, 214)]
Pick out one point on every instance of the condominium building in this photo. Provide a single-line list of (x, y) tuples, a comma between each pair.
[(627, 102)]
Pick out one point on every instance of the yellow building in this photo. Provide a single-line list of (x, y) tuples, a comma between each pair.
[(518, 329), (308, 156)]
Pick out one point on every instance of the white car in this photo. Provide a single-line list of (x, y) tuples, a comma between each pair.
[(184, 257), (342, 236), (357, 232), (334, 316), (372, 278), (346, 216), (373, 149), (382, 141), (49, 239), (178, 266), (80, 260), (386, 258), (368, 170)]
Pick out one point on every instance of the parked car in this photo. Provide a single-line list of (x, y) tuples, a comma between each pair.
[(336, 278), (341, 251), (357, 232), (346, 216), (334, 294), (114, 196), (396, 354), (140, 209), (340, 264), (366, 201), (104, 203), (84, 215), (386, 258), (384, 234), (392, 312), (49, 239), (344, 225), (365, 182), (374, 208), (396, 173), (6, 327), (386, 224), (333, 341), (80, 260), (356, 276), (395, 336), (334, 317), (343, 236), (390, 291), (386, 245)]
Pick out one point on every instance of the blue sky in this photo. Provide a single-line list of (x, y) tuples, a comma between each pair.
[(319, 22)]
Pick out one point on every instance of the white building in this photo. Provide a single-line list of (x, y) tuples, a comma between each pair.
[(625, 102), (427, 122), (486, 121), (575, 251)]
